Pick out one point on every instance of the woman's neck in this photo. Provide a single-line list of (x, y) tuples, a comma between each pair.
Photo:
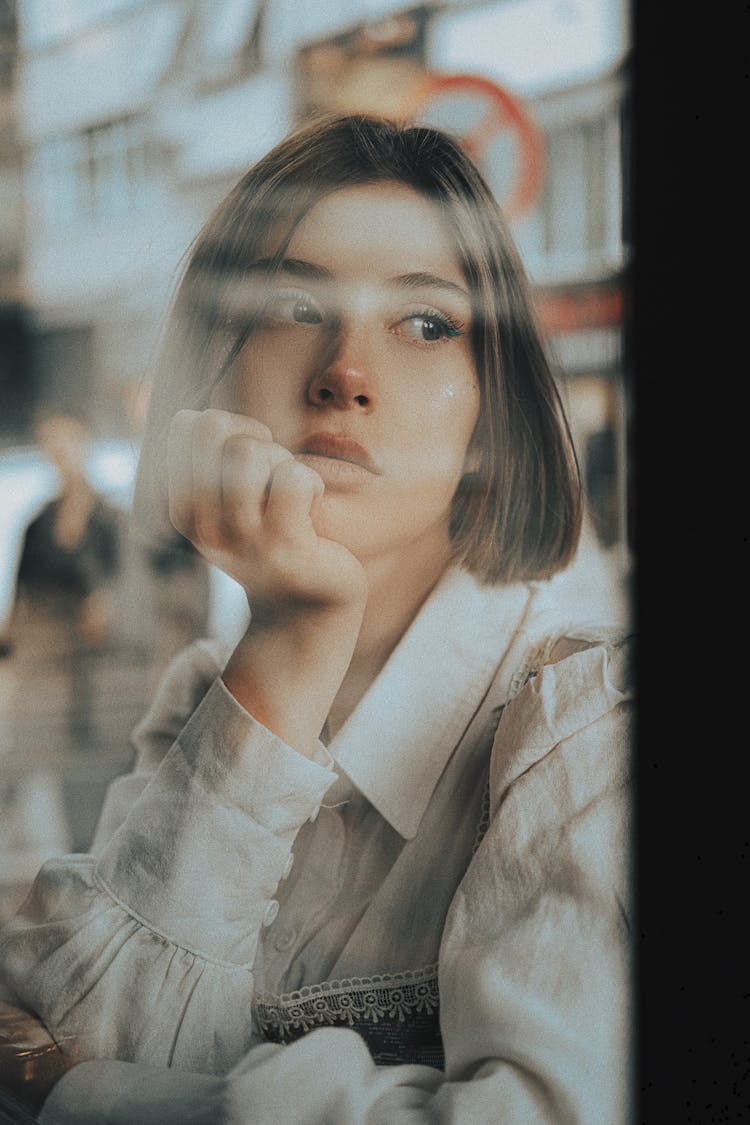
[(398, 589)]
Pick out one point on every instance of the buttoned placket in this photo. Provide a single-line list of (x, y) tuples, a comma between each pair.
[(300, 904)]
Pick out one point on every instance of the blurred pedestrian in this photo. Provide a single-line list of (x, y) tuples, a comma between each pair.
[(68, 566)]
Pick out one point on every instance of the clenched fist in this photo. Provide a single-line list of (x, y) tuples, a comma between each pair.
[(249, 507)]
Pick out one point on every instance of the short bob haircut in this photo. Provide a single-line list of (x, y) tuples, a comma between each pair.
[(519, 516)]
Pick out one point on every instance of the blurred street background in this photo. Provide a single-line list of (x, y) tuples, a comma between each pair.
[(122, 123)]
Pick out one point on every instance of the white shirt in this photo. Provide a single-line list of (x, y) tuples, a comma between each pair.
[(443, 891)]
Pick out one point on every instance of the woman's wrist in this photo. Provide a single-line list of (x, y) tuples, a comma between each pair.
[(286, 672)]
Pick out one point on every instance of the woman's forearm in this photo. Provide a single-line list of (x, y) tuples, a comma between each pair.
[(287, 674)]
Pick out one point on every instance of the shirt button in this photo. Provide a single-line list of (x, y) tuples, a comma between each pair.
[(284, 939), (288, 866), (271, 911)]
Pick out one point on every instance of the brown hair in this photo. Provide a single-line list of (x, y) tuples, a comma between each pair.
[(518, 517)]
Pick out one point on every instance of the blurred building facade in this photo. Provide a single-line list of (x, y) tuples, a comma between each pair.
[(133, 119)]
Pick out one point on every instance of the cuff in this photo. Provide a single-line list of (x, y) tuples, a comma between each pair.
[(203, 849)]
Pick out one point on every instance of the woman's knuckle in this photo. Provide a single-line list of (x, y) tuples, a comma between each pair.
[(238, 448), (212, 424)]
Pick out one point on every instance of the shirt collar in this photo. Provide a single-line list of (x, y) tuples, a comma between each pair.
[(397, 741)]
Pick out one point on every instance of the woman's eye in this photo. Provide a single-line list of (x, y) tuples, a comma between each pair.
[(305, 311), (429, 327), (297, 307)]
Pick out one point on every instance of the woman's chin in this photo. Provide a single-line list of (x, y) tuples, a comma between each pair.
[(374, 534)]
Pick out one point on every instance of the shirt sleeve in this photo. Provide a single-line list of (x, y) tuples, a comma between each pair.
[(183, 685), (168, 915)]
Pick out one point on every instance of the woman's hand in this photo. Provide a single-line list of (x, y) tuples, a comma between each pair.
[(31, 1061), (249, 508)]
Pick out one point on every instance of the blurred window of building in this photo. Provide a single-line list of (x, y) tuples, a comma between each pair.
[(580, 221), (47, 21), (222, 42), (95, 174), (224, 25), (564, 60), (531, 46), (576, 228)]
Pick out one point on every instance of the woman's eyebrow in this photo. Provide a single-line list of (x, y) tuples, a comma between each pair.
[(295, 266), (311, 271), (429, 281)]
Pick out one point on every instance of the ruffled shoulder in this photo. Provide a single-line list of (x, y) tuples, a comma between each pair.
[(573, 680)]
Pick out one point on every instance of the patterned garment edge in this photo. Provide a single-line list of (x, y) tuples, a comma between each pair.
[(386, 995)]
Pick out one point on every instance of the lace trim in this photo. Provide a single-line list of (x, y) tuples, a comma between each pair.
[(392, 995)]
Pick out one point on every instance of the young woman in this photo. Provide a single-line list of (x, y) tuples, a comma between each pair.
[(372, 862)]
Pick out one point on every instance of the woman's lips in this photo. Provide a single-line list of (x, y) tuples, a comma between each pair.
[(337, 447)]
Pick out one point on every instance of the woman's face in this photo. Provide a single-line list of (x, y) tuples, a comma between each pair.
[(362, 366)]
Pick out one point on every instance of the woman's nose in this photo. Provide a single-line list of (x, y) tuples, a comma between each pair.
[(343, 377)]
